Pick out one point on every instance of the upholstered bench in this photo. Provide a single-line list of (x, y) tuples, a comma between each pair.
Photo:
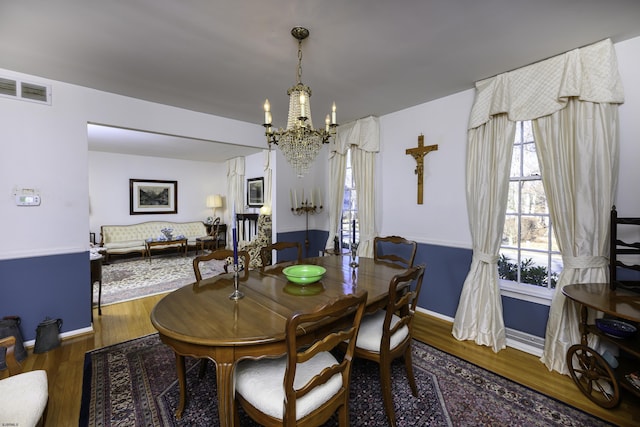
[(122, 239)]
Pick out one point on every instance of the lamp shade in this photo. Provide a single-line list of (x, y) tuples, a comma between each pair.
[(214, 201)]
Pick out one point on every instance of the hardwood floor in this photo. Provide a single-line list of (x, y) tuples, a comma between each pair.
[(120, 322)]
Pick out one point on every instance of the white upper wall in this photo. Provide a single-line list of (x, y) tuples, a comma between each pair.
[(442, 218), (45, 148), (109, 176)]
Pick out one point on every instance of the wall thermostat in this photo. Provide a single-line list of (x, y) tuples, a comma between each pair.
[(27, 198)]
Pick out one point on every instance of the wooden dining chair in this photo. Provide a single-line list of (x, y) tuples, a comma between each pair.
[(395, 249), (307, 385), (220, 255), (266, 253), (386, 334)]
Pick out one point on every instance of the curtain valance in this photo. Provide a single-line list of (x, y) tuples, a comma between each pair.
[(364, 133), (589, 73)]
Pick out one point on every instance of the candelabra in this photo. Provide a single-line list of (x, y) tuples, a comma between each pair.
[(306, 208), (236, 294)]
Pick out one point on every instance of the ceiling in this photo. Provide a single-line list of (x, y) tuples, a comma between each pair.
[(224, 57)]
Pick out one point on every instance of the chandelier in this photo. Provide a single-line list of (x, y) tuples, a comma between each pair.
[(299, 142)]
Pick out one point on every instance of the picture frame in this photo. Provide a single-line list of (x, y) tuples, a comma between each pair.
[(255, 192), (152, 196)]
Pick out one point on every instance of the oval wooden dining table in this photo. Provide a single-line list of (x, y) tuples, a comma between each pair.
[(200, 320)]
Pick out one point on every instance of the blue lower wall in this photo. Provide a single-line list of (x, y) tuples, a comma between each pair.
[(58, 286), (446, 270), (55, 286)]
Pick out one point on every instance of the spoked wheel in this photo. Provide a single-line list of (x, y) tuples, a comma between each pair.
[(593, 376)]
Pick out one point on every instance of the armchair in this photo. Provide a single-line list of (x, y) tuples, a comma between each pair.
[(262, 239)]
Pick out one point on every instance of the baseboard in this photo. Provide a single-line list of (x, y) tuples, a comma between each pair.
[(515, 339), (63, 335), (525, 342)]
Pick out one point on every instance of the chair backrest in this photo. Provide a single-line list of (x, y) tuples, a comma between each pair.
[(247, 226), (221, 255), (402, 303), (624, 252), (395, 249), (266, 252), (215, 226), (342, 317)]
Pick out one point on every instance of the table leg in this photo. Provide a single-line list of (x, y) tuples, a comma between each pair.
[(182, 381), (226, 391)]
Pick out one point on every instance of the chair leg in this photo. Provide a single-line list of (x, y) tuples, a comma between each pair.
[(343, 416), (203, 368), (408, 364), (387, 397)]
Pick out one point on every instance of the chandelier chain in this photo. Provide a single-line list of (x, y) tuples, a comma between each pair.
[(299, 62)]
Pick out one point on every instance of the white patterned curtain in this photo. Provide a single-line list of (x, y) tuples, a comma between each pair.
[(567, 150), (363, 138), (235, 190)]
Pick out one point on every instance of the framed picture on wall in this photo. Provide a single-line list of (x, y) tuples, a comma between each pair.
[(151, 196), (255, 192)]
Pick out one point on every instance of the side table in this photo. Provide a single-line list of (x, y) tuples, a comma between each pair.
[(96, 276)]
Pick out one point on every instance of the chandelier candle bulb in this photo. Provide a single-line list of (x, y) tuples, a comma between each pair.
[(333, 114), (303, 101), (267, 112), (327, 121)]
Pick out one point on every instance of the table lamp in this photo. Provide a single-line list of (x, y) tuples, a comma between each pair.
[(214, 202)]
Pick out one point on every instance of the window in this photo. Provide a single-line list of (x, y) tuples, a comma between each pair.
[(349, 228), (529, 254)]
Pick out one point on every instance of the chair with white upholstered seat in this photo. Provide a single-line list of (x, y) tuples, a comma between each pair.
[(307, 385), (386, 334), (23, 396)]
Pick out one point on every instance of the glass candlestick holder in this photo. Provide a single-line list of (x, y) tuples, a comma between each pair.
[(236, 294), (354, 249)]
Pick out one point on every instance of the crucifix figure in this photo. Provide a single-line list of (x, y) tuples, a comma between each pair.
[(418, 153)]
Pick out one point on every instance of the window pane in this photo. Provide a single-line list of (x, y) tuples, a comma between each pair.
[(530, 166), (527, 132), (510, 231), (533, 198), (515, 162), (513, 199), (533, 268), (534, 232)]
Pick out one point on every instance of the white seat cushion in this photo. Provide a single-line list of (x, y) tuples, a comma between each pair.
[(23, 398), (370, 334), (260, 382)]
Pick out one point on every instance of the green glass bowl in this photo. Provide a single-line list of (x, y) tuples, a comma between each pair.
[(304, 274)]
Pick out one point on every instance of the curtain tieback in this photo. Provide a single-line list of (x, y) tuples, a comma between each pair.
[(571, 262), (484, 257)]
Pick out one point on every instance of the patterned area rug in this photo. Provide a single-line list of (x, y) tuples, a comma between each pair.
[(134, 384), (125, 280)]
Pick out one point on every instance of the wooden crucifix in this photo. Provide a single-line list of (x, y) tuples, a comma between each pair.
[(418, 153)]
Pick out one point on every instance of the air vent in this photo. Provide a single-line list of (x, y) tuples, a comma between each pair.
[(28, 91), (34, 92), (8, 87)]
